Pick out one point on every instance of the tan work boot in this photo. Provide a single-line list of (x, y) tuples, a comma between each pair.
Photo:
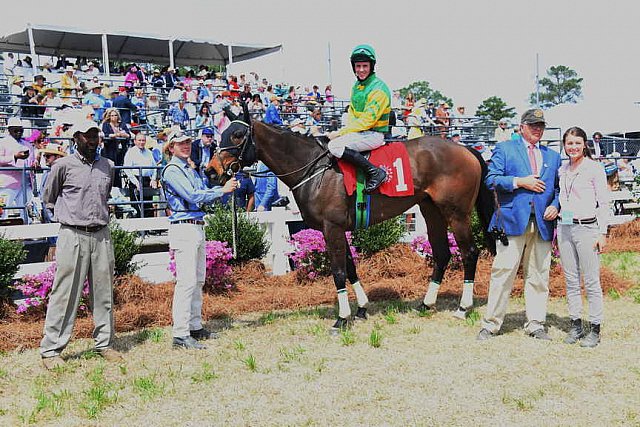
[(111, 355), (51, 363)]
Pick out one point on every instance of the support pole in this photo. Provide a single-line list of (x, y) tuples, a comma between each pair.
[(171, 62), (32, 48), (105, 56)]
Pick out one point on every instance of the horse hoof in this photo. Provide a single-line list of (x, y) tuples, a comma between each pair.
[(423, 309), (340, 325), (462, 313), (361, 314)]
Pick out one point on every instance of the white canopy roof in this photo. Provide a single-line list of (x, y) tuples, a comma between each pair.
[(53, 40)]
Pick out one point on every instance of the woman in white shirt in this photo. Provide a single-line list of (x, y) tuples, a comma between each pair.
[(582, 229)]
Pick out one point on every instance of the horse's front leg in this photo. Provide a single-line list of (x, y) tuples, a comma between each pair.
[(337, 250), (352, 275)]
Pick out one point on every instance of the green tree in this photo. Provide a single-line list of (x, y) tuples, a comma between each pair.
[(422, 89), (561, 86), (494, 109)]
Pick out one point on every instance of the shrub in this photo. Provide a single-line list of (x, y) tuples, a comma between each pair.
[(12, 253), (310, 256), (422, 246), (125, 246), (36, 289), (218, 256), (252, 242), (379, 236), (477, 231)]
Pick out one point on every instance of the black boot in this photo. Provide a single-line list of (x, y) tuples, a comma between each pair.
[(593, 337), (575, 333), (375, 176)]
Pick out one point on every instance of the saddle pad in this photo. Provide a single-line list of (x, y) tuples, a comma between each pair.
[(394, 159)]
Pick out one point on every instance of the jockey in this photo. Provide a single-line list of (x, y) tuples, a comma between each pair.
[(368, 117)]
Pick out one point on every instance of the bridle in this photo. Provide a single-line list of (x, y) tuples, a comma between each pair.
[(247, 140)]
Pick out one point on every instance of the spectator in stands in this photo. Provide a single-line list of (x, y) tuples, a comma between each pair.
[(84, 247), (92, 71), (124, 105), (502, 132), (15, 152), (69, 82), (416, 119), (140, 101), (28, 69), (328, 94), (201, 152), (62, 63), (596, 145), (95, 99), (131, 79), (256, 107), (156, 79), (139, 155), (189, 78), (50, 101), (30, 104), (272, 114), (244, 194), (246, 95), (315, 95), (9, 64), (154, 114), (442, 119), (142, 76), (204, 118), (39, 82), (170, 78), (17, 85), (114, 131), (314, 122), (266, 188), (191, 99), (582, 231), (178, 114)]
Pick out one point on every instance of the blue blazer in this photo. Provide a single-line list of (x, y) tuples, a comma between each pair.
[(510, 160)]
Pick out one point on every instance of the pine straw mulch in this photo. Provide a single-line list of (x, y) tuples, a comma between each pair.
[(396, 273)]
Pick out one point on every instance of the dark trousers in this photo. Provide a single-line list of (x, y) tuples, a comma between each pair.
[(134, 195)]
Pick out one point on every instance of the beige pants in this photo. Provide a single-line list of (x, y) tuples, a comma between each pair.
[(80, 256), (535, 255), (188, 244)]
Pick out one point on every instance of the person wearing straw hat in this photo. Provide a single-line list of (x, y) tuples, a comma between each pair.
[(84, 248), (39, 82), (69, 82), (185, 193)]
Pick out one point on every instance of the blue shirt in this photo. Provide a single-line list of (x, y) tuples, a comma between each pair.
[(243, 192), (272, 116), (185, 191), (178, 116), (266, 188)]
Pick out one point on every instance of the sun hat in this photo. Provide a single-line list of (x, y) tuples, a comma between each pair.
[(15, 122), (52, 148)]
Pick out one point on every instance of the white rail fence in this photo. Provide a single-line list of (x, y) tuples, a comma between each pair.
[(154, 265)]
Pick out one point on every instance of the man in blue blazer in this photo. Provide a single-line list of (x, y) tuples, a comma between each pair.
[(525, 176)]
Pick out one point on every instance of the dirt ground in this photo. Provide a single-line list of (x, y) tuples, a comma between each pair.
[(140, 304)]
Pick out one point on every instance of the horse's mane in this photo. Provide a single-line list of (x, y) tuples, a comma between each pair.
[(313, 140)]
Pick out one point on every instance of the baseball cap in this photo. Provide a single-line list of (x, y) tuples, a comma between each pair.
[(83, 126), (178, 136), (207, 131), (531, 116)]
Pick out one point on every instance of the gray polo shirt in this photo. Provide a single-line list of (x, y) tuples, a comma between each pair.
[(78, 190)]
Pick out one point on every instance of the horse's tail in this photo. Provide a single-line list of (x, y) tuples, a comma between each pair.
[(485, 205)]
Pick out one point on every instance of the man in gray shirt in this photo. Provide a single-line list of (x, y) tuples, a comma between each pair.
[(77, 191)]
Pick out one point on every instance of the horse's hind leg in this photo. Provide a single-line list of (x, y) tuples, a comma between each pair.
[(437, 234), (464, 237), (352, 275), (337, 249)]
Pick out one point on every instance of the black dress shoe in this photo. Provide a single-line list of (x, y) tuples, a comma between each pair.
[(188, 343), (203, 334)]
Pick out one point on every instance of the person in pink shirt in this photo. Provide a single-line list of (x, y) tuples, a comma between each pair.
[(582, 230), (15, 152)]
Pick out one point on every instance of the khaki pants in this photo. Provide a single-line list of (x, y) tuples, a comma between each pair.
[(535, 255), (80, 255), (188, 244)]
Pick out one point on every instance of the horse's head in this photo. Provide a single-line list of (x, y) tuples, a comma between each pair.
[(236, 151)]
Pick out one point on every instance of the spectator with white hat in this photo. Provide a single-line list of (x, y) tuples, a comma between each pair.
[(503, 131)]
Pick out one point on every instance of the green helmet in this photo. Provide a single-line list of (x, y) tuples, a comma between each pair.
[(362, 53)]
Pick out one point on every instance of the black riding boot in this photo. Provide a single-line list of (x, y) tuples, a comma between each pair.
[(575, 333), (375, 176)]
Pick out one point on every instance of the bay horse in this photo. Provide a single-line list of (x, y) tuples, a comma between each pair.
[(448, 183)]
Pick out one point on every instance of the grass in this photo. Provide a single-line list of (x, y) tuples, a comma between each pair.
[(625, 264), (387, 374)]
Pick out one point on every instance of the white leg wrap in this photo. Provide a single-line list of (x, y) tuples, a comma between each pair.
[(344, 310), (360, 295), (467, 295), (432, 294)]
